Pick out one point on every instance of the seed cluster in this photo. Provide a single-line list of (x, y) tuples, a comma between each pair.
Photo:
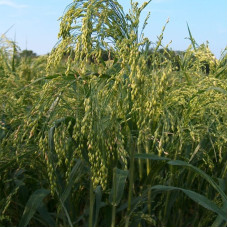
[(130, 94)]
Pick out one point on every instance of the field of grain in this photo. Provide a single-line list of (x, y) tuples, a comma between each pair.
[(111, 129)]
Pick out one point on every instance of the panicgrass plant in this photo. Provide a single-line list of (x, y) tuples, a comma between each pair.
[(88, 140)]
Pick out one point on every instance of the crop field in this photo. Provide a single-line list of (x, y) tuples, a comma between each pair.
[(112, 129)]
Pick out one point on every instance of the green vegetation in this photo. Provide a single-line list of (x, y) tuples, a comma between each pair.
[(110, 130)]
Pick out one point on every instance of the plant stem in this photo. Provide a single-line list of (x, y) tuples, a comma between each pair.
[(131, 181), (113, 215), (147, 161), (114, 199), (148, 172), (140, 164), (91, 196), (166, 214)]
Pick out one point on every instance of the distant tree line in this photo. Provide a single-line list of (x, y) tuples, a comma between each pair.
[(27, 54)]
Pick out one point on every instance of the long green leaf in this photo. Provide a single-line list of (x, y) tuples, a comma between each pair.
[(34, 202), (98, 196), (191, 38), (201, 173), (120, 180), (218, 89), (198, 198), (219, 220), (75, 175), (45, 215), (151, 157)]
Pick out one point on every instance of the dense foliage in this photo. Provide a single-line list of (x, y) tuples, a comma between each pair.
[(110, 129)]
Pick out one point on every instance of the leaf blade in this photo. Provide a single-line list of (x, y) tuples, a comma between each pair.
[(198, 198), (34, 202)]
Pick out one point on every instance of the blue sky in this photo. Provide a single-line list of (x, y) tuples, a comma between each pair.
[(36, 22)]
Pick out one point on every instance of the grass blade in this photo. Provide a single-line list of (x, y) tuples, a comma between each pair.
[(151, 157), (75, 175), (198, 198), (121, 176), (191, 38), (201, 173), (98, 196), (32, 205)]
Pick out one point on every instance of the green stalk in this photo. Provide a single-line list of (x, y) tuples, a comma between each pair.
[(166, 206), (140, 164), (131, 182), (114, 199), (113, 215), (148, 172), (13, 58), (166, 215), (64, 209), (91, 202), (140, 173), (147, 160)]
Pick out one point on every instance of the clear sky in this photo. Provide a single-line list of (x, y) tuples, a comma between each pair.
[(36, 22)]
